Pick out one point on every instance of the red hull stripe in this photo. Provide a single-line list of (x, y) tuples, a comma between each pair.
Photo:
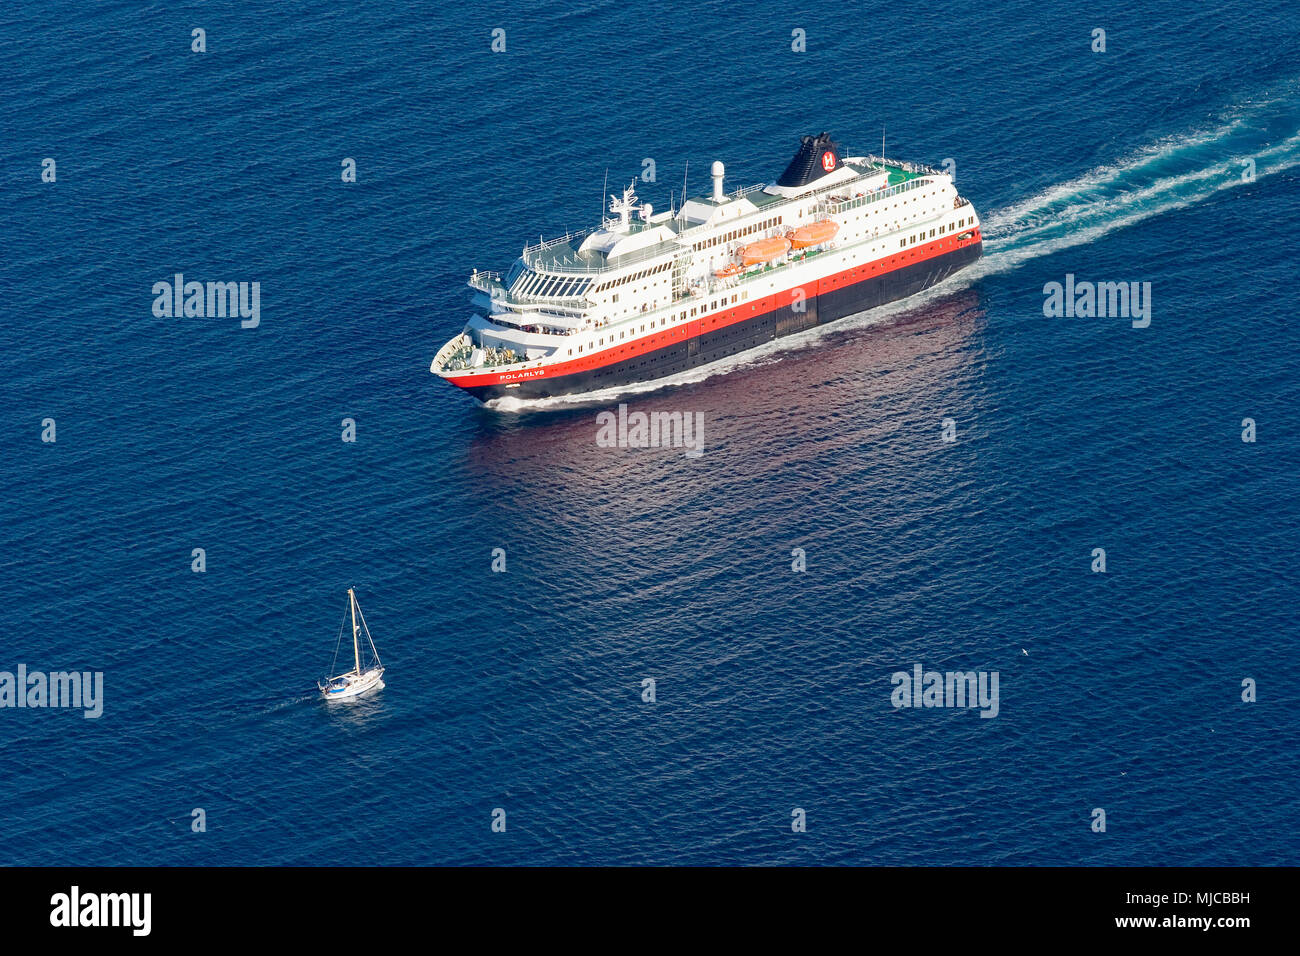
[(740, 312)]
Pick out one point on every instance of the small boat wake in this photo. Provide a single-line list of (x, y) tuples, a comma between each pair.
[(306, 697), (1251, 141)]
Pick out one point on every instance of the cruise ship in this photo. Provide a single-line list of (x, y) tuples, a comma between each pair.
[(648, 294)]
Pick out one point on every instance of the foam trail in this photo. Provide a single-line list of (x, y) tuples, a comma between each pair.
[(1095, 182), (1170, 174), (271, 707)]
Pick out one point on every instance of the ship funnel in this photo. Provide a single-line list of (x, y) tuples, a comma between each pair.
[(718, 171), (817, 156)]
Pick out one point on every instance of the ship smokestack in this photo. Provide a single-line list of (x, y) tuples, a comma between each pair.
[(718, 171)]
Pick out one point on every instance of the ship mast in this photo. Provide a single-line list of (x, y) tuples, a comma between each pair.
[(356, 648), (625, 205)]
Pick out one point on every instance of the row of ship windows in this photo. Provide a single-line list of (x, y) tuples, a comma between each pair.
[(632, 278), (681, 317), (738, 233), (920, 212), (960, 224), (917, 198), (614, 298)]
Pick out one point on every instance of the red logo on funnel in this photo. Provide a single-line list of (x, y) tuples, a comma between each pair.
[(828, 160)]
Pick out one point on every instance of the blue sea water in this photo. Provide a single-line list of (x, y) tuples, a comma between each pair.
[(522, 690)]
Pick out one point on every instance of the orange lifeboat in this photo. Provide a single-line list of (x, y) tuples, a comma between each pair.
[(814, 234), (765, 250), (725, 271)]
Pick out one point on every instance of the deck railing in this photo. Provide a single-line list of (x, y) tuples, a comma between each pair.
[(919, 168), (835, 208)]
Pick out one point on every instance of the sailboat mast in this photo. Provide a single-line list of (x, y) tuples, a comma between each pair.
[(356, 648)]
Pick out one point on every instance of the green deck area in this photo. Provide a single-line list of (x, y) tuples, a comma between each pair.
[(897, 175)]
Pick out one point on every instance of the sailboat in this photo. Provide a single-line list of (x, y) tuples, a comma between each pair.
[(359, 679)]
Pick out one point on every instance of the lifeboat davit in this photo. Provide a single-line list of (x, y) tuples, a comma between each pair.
[(765, 250), (814, 234)]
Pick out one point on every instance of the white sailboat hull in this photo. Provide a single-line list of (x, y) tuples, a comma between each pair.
[(352, 684)]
